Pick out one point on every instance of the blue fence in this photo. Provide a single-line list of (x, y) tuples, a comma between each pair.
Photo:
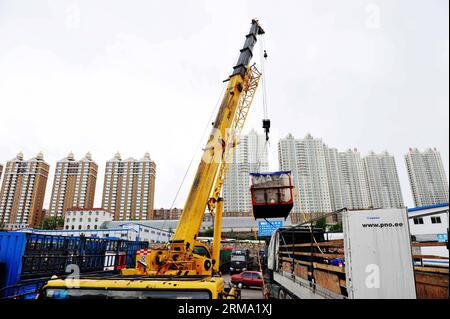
[(28, 260)]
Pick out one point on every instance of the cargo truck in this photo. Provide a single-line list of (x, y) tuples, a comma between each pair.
[(240, 260), (373, 260), (225, 259)]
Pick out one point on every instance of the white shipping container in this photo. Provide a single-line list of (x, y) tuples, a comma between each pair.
[(378, 254)]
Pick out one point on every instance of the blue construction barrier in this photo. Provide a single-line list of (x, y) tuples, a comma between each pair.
[(28, 260)]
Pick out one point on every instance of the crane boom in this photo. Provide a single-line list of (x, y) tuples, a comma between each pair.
[(194, 209)]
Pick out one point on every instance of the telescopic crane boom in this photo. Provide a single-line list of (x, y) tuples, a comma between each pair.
[(217, 147)]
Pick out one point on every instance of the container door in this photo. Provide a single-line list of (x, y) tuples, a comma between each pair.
[(378, 258)]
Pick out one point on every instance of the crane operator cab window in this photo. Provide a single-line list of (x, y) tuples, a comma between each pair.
[(201, 251)]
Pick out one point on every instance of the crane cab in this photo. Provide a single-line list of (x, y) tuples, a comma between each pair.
[(271, 194)]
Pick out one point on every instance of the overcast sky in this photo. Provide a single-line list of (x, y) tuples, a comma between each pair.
[(138, 76)]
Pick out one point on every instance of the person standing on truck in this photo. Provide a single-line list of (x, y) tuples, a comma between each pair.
[(339, 262)]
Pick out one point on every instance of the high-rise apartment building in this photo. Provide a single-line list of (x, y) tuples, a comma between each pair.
[(427, 177), (129, 188), (164, 214), (23, 191), (73, 185), (354, 187), (383, 181), (334, 178), (250, 156), (288, 154), (327, 180), (307, 160)]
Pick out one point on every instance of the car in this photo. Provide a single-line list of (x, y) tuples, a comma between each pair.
[(247, 279)]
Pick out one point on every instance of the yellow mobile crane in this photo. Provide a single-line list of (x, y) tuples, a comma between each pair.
[(186, 267)]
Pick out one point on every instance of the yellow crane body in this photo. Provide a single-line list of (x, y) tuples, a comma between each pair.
[(184, 263)]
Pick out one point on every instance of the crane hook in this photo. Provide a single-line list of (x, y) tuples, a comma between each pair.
[(265, 54), (266, 127)]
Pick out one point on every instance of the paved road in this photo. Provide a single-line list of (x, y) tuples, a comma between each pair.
[(247, 293)]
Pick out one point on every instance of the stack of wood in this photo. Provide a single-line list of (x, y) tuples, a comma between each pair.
[(431, 282), (307, 261), (313, 262)]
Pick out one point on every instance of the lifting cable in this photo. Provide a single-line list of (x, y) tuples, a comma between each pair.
[(266, 127), (263, 57), (259, 155), (195, 153), (297, 200), (198, 146), (214, 111)]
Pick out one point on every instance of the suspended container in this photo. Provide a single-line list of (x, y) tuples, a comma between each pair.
[(271, 194)]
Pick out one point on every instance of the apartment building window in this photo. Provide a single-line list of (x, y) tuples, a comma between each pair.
[(436, 220), (418, 221)]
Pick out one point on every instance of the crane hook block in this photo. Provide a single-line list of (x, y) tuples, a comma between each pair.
[(266, 127)]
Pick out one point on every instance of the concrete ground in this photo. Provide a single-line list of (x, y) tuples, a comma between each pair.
[(246, 293)]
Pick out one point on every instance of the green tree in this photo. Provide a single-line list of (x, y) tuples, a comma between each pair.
[(52, 223), (336, 228), (207, 233), (321, 223)]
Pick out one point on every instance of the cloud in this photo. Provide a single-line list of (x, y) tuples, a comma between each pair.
[(103, 77)]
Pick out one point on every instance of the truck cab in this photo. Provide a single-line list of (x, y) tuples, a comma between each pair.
[(240, 260)]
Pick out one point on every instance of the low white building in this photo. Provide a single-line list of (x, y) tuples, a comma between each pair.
[(127, 231), (117, 233), (86, 218), (430, 224), (147, 233), (229, 224)]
